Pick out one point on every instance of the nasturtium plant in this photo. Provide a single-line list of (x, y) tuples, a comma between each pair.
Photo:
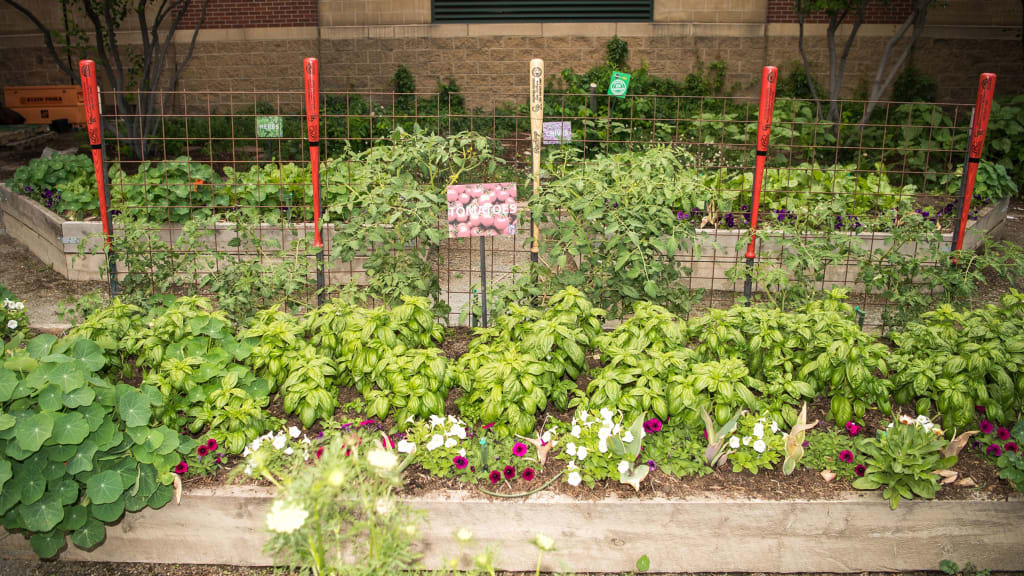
[(76, 451), (956, 360)]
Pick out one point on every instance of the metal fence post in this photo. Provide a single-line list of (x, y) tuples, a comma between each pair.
[(979, 125), (312, 78), (769, 76), (93, 122)]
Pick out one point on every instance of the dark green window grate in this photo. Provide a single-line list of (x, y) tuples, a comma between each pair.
[(482, 11)]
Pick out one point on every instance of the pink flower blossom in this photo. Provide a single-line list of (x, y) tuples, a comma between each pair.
[(846, 456), (519, 449)]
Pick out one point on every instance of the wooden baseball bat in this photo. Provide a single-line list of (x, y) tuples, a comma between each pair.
[(536, 131)]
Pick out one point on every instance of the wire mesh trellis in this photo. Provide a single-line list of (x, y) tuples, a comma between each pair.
[(206, 168)]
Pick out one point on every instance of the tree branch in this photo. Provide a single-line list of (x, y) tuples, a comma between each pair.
[(917, 18), (49, 41), (803, 55)]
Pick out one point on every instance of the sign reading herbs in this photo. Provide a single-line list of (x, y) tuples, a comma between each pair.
[(269, 127)]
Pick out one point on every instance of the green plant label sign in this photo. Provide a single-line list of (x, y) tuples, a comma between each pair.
[(619, 84), (269, 127), (482, 210)]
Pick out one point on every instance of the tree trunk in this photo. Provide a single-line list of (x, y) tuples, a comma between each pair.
[(883, 80)]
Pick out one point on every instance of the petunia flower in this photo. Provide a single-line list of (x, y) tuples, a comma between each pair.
[(460, 462), (494, 476), (319, 452), (573, 479), (1002, 433), (181, 468), (529, 474), (846, 456), (488, 426), (1011, 447), (994, 450), (853, 429), (651, 465), (202, 450), (986, 427), (211, 444), (510, 472), (519, 449), (860, 469), (980, 409)]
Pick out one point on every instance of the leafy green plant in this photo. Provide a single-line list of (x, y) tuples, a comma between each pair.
[(78, 451), (597, 445), (108, 327), (755, 444), (64, 184), (953, 569), (825, 451), (171, 191), (13, 318), (903, 459), (1011, 461), (954, 361)]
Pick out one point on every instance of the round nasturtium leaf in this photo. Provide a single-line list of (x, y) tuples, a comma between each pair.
[(7, 421), (90, 535), (67, 491), (74, 517), (8, 381), (111, 512), (51, 398), (94, 413), (47, 545), (79, 397), (32, 431), (59, 453), (105, 487), (33, 486), (89, 353), (161, 497), (82, 460), (42, 515), (134, 409), (70, 428), (5, 472)]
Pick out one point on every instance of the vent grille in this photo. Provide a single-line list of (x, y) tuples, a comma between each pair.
[(481, 11)]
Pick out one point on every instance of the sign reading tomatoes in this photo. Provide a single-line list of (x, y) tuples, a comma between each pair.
[(481, 209)]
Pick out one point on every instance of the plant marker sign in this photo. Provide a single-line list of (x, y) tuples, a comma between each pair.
[(618, 85), (482, 210), (269, 127), (557, 132)]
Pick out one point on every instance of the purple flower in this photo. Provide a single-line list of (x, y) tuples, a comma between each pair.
[(529, 474), (1011, 447), (460, 462), (211, 444), (510, 472), (806, 443), (1002, 433), (202, 450), (846, 456), (651, 465), (994, 450), (519, 449), (652, 426), (860, 469), (853, 428), (980, 409), (181, 468), (494, 476), (986, 427)]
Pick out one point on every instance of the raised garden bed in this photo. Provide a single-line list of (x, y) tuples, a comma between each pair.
[(854, 533)]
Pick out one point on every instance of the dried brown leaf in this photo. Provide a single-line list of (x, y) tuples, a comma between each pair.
[(957, 444), (948, 476), (177, 489), (828, 475)]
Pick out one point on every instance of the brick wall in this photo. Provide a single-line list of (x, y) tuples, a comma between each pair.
[(251, 14), (877, 12)]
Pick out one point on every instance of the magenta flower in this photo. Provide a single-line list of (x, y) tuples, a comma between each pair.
[(460, 462), (529, 474), (980, 409), (319, 452), (986, 427), (494, 476), (181, 468), (846, 456), (488, 426), (653, 425), (860, 469), (211, 444), (1003, 433), (519, 449), (202, 450), (705, 434), (1011, 447), (651, 465), (386, 443), (510, 472), (853, 429), (994, 450)]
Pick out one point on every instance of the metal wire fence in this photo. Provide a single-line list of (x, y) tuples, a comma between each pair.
[(209, 180)]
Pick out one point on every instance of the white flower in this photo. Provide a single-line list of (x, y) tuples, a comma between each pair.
[(746, 440), (457, 430), (734, 442), (436, 441), (545, 543), (928, 427), (923, 420), (758, 430), (256, 444), (462, 452), (581, 452), (305, 455), (12, 324), (306, 440), (628, 437), (410, 419), (436, 420), (623, 467), (575, 433), (246, 452), (616, 429), (382, 506), (602, 445), (279, 442), (8, 304), (383, 459), (405, 447), (906, 419), (760, 446), (570, 449), (572, 465), (19, 305), (294, 432), (464, 535), (775, 427), (248, 470), (451, 443), (606, 414), (574, 479), (288, 451), (604, 433), (285, 518), (546, 437)]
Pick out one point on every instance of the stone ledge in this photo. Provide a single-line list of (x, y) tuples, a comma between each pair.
[(854, 533)]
